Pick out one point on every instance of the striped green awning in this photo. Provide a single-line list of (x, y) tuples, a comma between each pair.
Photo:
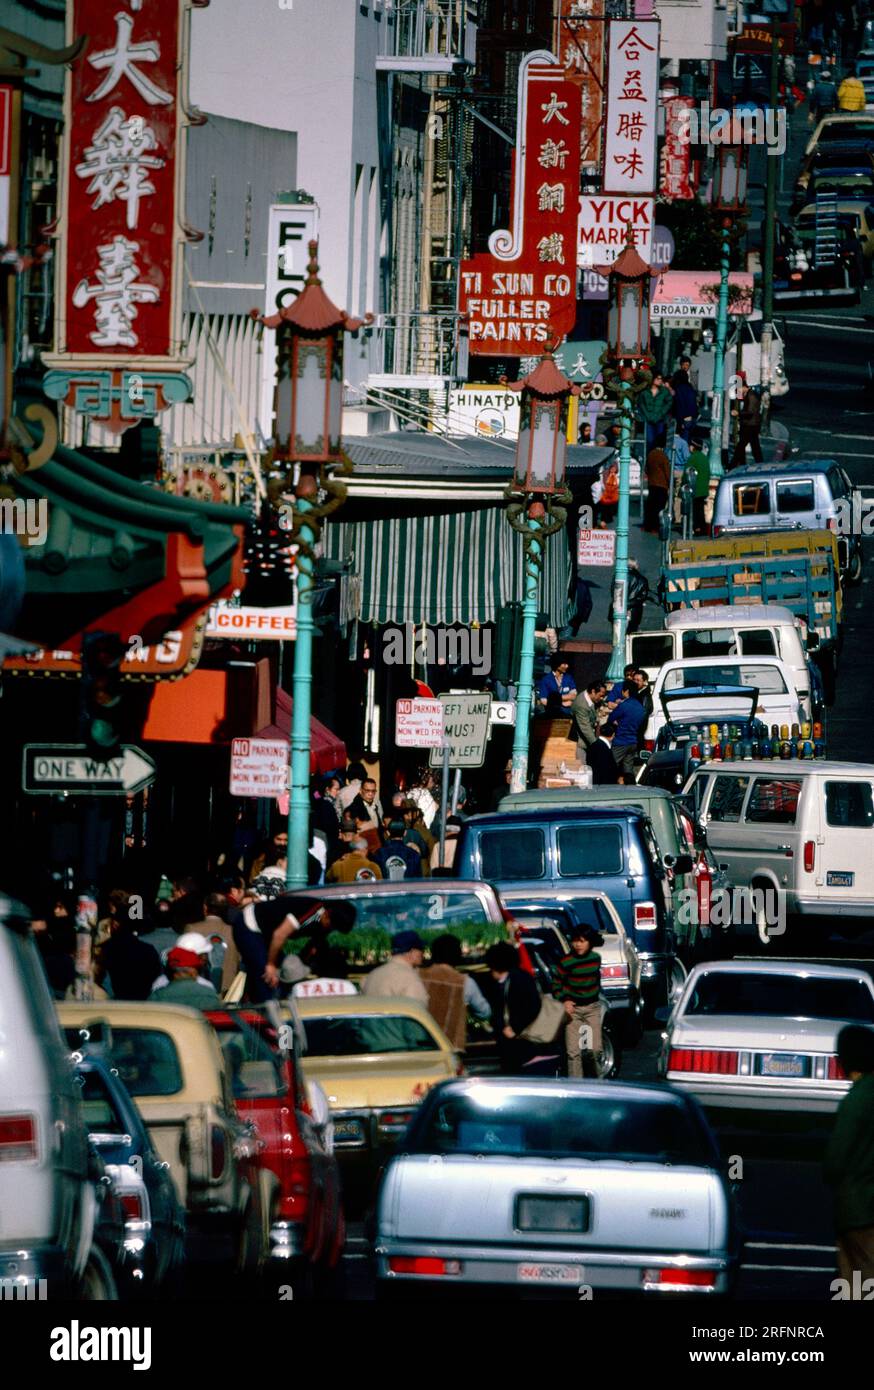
[(456, 568)]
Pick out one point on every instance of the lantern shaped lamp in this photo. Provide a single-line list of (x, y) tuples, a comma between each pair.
[(628, 310), (729, 192), (309, 390), (541, 449)]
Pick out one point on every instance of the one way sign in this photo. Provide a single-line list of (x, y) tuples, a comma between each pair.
[(51, 768)]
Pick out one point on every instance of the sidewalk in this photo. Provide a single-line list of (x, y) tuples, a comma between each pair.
[(596, 635)]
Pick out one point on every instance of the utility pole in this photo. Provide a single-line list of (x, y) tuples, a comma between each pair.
[(770, 231)]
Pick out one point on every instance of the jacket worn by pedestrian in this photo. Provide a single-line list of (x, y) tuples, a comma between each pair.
[(849, 1158), (750, 413), (397, 979), (193, 994), (446, 1002), (398, 860), (578, 978), (585, 720), (628, 716), (517, 1003), (685, 399), (354, 867), (600, 758), (851, 95), (655, 407)]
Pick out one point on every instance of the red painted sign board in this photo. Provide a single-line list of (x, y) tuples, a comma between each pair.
[(580, 46), (523, 291)]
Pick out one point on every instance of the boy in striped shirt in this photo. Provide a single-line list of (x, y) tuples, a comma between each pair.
[(577, 984)]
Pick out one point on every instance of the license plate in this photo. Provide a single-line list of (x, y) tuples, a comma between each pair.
[(550, 1274), (349, 1130), (839, 878), (783, 1064)]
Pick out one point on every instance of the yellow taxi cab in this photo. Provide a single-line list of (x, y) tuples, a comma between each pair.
[(375, 1059)]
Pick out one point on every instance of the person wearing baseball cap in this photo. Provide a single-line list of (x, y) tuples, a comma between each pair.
[(186, 986), (399, 978)]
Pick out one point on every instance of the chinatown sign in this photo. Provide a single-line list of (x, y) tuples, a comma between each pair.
[(675, 177), (174, 656), (579, 43), (630, 164), (120, 239), (523, 291)]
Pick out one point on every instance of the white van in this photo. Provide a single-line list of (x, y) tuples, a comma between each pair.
[(754, 629), (47, 1201), (778, 701), (806, 828)]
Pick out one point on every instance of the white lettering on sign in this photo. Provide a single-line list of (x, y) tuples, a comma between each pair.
[(419, 724), (596, 547), (603, 227), (259, 767), (258, 624)]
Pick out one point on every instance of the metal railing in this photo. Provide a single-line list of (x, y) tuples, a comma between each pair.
[(430, 32), (414, 345)]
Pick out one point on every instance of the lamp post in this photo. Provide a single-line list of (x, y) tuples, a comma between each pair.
[(536, 507), (309, 409), (729, 193), (625, 375)]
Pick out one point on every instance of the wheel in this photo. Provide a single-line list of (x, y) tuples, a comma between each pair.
[(611, 1056), (854, 572), (98, 1280)]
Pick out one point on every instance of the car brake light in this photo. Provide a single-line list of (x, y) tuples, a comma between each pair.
[(645, 917), (650, 744), (614, 972), (217, 1150), (680, 1278), (831, 524), (835, 1070), (422, 1264), (703, 1059), (132, 1206), (393, 1121), (809, 855), (716, 531), (18, 1138)]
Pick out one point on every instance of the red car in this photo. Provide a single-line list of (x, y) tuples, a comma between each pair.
[(301, 1195)]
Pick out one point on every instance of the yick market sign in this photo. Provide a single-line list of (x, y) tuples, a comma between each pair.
[(523, 291)]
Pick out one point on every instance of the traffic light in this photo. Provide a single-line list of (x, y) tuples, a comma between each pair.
[(267, 561), (508, 644), (102, 655)]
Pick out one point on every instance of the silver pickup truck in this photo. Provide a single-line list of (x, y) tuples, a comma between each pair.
[(555, 1185)]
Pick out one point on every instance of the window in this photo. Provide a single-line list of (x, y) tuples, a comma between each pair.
[(250, 1063), (147, 1061), (781, 996), (544, 1124), (727, 798), (796, 496), (99, 1110), (774, 801), (350, 1035), (751, 499), (757, 642), (652, 650), (584, 850), (766, 679), (422, 912), (837, 483), (509, 854), (849, 804), (718, 642)]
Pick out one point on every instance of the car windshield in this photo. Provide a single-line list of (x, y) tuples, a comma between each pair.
[(766, 679), (354, 1035), (147, 1060), (100, 1113), (780, 996), (522, 1123), (846, 131), (250, 1063)]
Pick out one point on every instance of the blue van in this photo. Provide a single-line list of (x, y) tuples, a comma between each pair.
[(608, 848)]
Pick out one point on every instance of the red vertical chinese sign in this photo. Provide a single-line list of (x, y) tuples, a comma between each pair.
[(579, 43), (523, 291), (676, 158)]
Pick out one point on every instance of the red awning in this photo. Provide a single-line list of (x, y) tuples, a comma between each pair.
[(327, 751)]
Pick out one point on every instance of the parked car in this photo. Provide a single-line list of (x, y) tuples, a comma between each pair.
[(550, 1185), (300, 1179), (846, 181), (376, 1059), (755, 629), (49, 1179), (803, 829), (763, 1035), (153, 1247), (170, 1060), (806, 267), (858, 213), (679, 746), (804, 495), (778, 700), (855, 153), (567, 850), (839, 126), (544, 923)]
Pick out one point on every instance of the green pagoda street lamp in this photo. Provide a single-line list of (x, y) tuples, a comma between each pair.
[(728, 199), (309, 411), (537, 499), (625, 369)]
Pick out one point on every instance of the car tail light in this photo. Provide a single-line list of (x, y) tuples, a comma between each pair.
[(809, 855), (18, 1138), (650, 744), (835, 1070), (132, 1206), (614, 972), (645, 917), (703, 1059), (716, 531), (394, 1121), (680, 1278), (217, 1151), (422, 1264), (796, 275), (832, 523)]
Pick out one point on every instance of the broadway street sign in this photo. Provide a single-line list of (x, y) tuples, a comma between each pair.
[(52, 768)]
